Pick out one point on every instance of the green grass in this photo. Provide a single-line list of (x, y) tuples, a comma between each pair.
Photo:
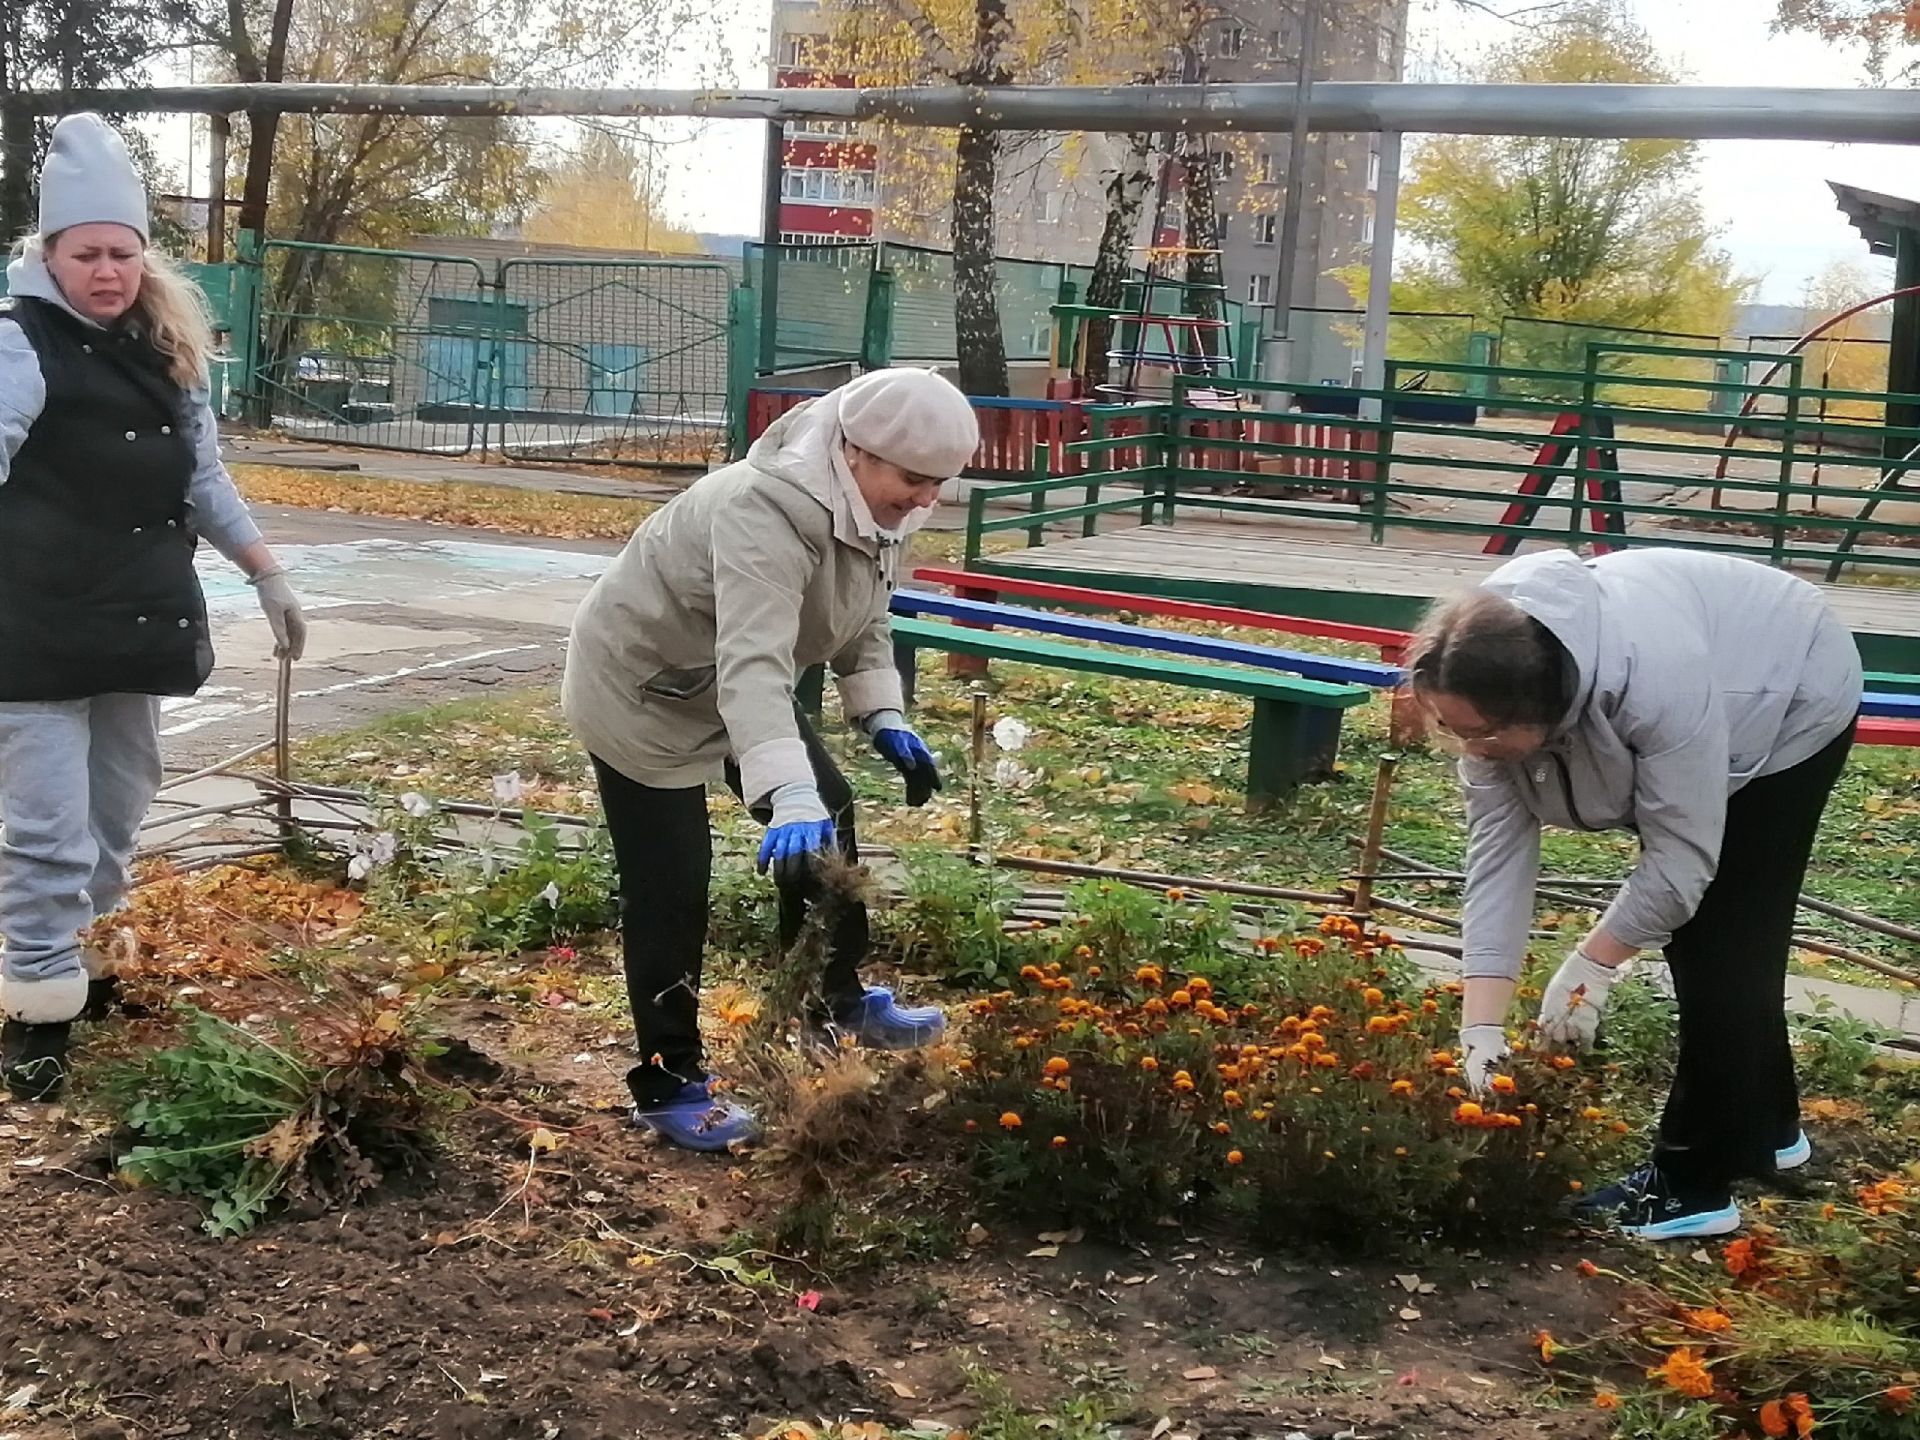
[(1149, 776)]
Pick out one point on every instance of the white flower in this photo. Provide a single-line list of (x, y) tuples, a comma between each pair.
[(359, 867), (1010, 774), (1011, 734), (385, 846), (416, 804), (551, 894), (507, 788)]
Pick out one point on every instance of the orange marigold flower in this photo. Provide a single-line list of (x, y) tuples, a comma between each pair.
[(1234, 1157), (1606, 1400), (1148, 975), (1454, 1092), (1083, 952), (1401, 1087), (1683, 1371), (972, 1126), (1176, 894), (1232, 1099), (1059, 1142), (1308, 948), (1898, 1398), (1154, 1006), (1267, 944), (1429, 1007), (1319, 1014), (1544, 1343), (1200, 985), (1259, 1115), (1503, 1084), (1588, 1269), (1314, 1040), (1023, 1042), (1326, 1060), (1440, 1059), (1148, 1063), (1372, 996), (1619, 1127), (1094, 972), (1468, 1113), (1562, 1062), (1712, 1321), (1009, 1121), (1221, 1127), (1362, 1071), (1057, 1066), (1032, 972), (1183, 1082), (1180, 998)]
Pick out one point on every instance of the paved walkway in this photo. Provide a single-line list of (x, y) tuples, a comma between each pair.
[(434, 469)]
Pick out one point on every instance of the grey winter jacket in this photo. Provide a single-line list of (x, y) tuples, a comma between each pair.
[(215, 511), (687, 649), (1697, 674)]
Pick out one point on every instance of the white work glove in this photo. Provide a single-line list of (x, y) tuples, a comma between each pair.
[(1570, 1010), (1482, 1048), (282, 609)]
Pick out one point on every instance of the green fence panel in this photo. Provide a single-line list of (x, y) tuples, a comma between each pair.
[(610, 360), (820, 293)]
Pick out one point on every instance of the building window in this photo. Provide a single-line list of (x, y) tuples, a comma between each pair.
[(1223, 165), (1373, 171), (823, 130), (1266, 228), (1263, 168), (798, 52), (1052, 206), (1233, 40), (1260, 289), (1366, 228), (821, 186)]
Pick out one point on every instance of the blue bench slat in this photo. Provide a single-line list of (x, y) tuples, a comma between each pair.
[(1142, 637), (1891, 707)]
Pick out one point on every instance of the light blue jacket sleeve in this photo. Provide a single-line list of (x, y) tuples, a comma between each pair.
[(23, 392), (215, 510)]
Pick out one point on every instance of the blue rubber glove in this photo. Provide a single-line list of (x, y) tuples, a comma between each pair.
[(799, 830), (906, 752)]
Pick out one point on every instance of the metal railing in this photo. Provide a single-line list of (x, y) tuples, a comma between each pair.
[(1779, 485)]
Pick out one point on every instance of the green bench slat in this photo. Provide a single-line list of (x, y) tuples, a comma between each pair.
[(1893, 680), (1232, 679)]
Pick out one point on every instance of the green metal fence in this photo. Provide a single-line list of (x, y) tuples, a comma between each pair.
[(549, 359), (1778, 487), (820, 296)]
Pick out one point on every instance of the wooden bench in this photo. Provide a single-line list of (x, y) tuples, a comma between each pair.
[(1296, 722), (925, 604), (1888, 732), (1407, 725)]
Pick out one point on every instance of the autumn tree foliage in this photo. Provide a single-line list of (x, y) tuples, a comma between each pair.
[(603, 196)]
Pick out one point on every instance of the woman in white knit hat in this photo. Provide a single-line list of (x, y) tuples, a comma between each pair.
[(109, 474), (682, 670)]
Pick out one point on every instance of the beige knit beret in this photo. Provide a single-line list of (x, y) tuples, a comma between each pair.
[(910, 418)]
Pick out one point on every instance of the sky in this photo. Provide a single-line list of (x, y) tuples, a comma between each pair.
[(1769, 198)]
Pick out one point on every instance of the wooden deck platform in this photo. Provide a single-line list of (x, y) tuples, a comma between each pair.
[(1362, 584)]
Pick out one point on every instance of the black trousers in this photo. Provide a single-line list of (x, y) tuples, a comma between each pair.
[(1734, 1101), (663, 850)]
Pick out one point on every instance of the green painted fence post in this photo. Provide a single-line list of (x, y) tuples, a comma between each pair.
[(1788, 438), (876, 338), (1482, 349), (741, 340)]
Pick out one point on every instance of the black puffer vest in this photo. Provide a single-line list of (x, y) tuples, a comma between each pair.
[(98, 593)]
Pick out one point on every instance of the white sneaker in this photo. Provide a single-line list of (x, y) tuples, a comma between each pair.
[(1793, 1156)]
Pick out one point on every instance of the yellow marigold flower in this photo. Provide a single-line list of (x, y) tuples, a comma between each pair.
[(1401, 1088), (1232, 1099), (1148, 1063), (1373, 996)]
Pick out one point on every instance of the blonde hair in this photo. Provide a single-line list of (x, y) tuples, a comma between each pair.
[(170, 310)]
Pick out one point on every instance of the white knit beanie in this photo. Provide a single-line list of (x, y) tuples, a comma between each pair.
[(910, 418), (88, 179)]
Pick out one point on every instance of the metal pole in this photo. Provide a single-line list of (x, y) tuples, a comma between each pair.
[(770, 197), (1276, 353), (1386, 206), (219, 128), (1607, 112)]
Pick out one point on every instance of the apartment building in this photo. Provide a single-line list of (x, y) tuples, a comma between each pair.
[(839, 185)]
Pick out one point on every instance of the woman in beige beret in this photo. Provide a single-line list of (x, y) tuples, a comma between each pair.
[(682, 669)]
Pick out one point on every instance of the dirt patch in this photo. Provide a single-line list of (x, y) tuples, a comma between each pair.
[(506, 1292)]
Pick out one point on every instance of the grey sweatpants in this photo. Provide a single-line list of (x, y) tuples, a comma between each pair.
[(76, 779)]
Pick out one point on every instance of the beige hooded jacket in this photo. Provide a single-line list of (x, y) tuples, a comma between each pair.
[(687, 649)]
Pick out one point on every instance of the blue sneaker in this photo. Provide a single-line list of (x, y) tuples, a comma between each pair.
[(1649, 1205), (1795, 1155), (694, 1118), (878, 1022)]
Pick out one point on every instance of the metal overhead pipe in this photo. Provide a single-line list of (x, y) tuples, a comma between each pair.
[(1671, 112)]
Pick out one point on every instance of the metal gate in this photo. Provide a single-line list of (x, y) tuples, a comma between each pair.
[(587, 361)]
